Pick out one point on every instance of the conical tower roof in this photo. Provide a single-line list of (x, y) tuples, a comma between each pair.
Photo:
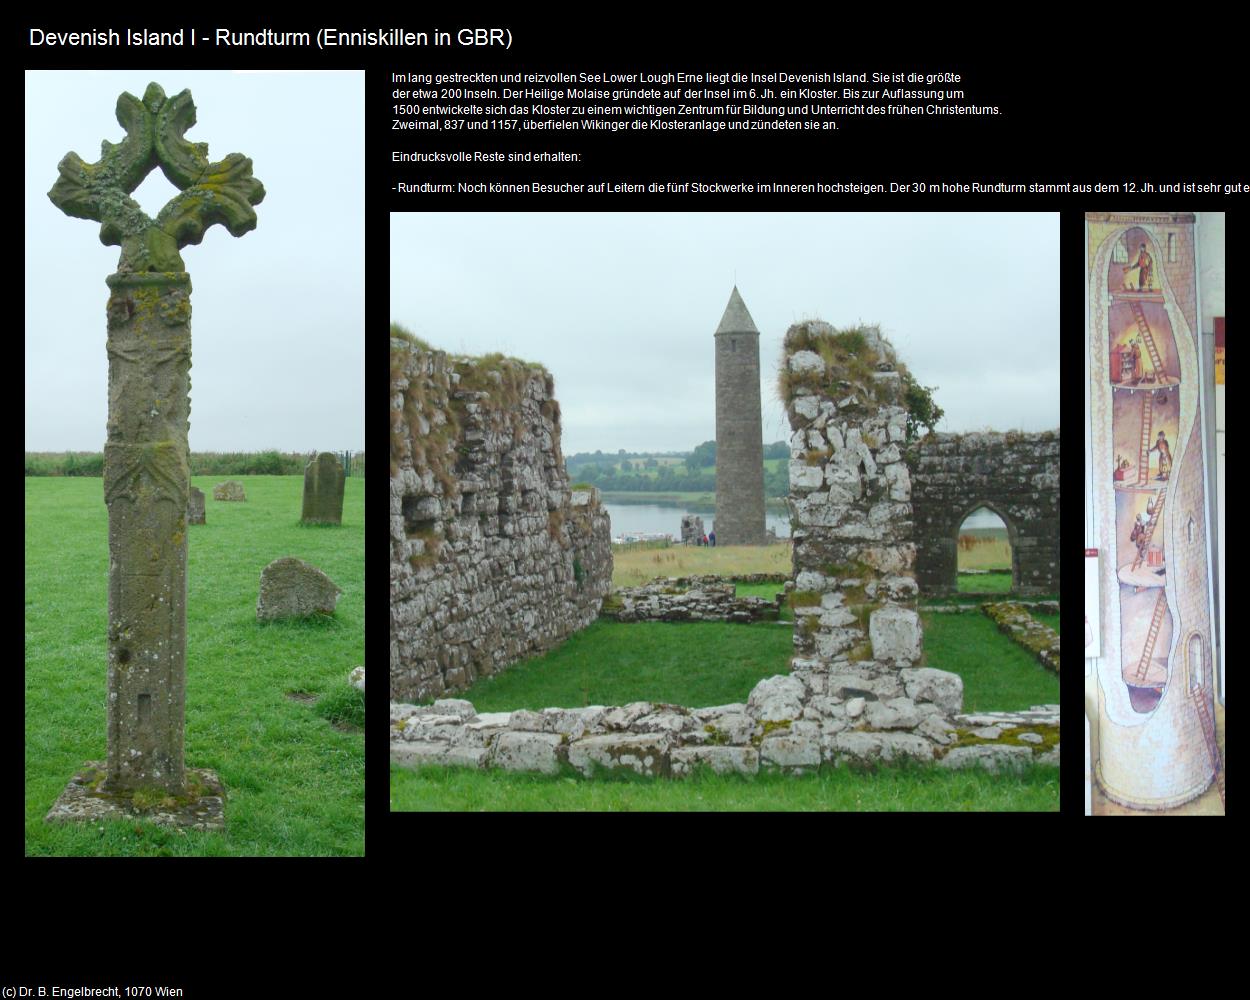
[(736, 318)]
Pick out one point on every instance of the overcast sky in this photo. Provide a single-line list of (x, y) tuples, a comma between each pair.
[(622, 308), (278, 314)]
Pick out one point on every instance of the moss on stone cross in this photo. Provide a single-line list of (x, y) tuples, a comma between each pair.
[(209, 193)]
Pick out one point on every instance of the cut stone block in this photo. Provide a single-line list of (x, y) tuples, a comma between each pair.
[(721, 760), (201, 807), (527, 752), (775, 699), (938, 687), (895, 634), (867, 748), (794, 754), (991, 758), (646, 753)]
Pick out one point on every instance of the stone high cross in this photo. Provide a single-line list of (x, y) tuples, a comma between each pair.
[(146, 473)]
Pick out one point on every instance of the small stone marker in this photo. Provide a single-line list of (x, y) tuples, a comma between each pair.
[(323, 490), (146, 475), (229, 491), (195, 507), (357, 679), (290, 588)]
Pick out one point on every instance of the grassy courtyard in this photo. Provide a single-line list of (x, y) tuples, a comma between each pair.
[(704, 663), (267, 705)]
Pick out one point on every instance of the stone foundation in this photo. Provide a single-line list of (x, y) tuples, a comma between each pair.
[(685, 599), (782, 726), (201, 807)]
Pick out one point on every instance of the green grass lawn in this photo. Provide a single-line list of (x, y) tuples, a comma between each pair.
[(699, 664), (294, 782), (984, 583), (998, 675), (889, 789), (687, 663)]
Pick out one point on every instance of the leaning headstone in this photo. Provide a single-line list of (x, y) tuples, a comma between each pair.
[(195, 507), (146, 475), (231, 490), (323, 490), (290, 588)]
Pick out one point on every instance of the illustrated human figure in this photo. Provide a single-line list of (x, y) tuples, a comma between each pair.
[(1145, 269), (1165, 456), (1135, 348)]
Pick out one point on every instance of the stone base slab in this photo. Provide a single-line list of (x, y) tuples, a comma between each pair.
[(80, 802)]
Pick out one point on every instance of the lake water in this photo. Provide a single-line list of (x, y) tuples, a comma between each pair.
[(653, 518)]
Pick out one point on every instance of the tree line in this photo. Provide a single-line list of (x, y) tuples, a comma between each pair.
[(203, 463)]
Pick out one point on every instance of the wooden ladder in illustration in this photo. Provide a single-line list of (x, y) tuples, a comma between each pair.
[(1143, 461), (1156, 623), (1199, 696), (1150, 527), (1144, 329)]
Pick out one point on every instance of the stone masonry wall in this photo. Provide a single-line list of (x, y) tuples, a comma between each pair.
[(1015, 475), (493, 558), (857, 633)]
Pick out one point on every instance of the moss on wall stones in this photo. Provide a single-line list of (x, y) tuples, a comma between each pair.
[(493, 557)]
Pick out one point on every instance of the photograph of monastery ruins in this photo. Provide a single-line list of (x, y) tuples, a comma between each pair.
[(724, 512)]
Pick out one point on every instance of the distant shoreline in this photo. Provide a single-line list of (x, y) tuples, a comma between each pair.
[(689, 499)]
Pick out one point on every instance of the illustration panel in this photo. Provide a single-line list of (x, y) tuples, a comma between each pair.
[(1157, 743)]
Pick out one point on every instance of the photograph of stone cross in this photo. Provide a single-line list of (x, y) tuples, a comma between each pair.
[(146, 473), (323, 490)]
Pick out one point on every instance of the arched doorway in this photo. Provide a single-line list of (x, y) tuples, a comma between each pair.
[(986, 560)]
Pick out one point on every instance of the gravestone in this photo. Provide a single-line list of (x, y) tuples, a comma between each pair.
[(290, 588), (146, 475), (230, 490), (323, 490), (195, 507)]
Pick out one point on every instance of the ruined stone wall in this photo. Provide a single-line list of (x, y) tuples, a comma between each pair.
[(493, 558), (857, 633), (1013, 474)]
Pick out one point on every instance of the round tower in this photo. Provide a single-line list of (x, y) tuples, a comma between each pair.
[(739, 432)]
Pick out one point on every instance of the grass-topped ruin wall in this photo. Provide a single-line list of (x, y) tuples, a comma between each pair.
[(493, 557)]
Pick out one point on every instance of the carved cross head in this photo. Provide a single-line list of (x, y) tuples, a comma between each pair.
[(209, 193)]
